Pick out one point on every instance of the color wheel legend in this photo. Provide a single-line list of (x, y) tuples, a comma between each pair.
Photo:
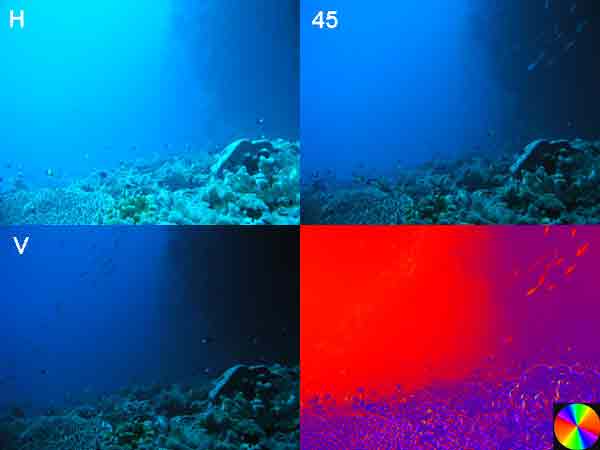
[(577, 427)]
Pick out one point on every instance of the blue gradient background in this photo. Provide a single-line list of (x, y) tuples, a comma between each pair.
[(87, 310), (88, 84), (397, 82)]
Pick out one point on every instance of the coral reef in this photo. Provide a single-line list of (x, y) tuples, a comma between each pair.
[(248, 183), (247, 408), (549, 182)]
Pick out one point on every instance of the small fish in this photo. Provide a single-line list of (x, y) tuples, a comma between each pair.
[(260, 121), (537, 61), (17, 412), (253, 340), (50, 172), (207, 340), (44, 372), (569, 46), (569, 270), (581, 250), (581, 26), (532, 291)]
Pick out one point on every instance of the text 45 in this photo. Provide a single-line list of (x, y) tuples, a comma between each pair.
[(327, 19)]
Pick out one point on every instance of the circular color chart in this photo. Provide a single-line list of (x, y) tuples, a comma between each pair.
[(577, 426)]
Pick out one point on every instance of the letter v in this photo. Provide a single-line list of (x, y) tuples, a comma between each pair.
[(21, 248)]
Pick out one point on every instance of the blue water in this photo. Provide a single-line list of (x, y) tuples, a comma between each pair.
[(87, 311), (401, 82), (395, 83), (85, 85)]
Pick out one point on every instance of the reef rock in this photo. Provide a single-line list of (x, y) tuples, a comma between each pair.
[(541, 152), (242, 152), (236, 379)]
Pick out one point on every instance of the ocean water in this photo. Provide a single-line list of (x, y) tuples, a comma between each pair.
[(88, 88), (399, 89), (92, 317)]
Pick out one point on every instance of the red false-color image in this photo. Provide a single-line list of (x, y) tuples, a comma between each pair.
[(439, 337)]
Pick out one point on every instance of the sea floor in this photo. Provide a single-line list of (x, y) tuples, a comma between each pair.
[(247, 408), (481, 413), (549, 182), (250, 182)]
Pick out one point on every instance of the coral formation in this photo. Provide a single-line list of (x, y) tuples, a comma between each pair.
[(550, 182), (248, 408), (248, 183)]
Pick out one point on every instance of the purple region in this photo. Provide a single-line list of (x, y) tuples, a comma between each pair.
[(480, 413), (543, 349)]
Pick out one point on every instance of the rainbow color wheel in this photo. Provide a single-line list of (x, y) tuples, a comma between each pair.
[(577, 426)]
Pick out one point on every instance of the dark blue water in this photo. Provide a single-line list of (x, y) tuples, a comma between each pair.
[(85, 85), (400, 83), (88, 311)]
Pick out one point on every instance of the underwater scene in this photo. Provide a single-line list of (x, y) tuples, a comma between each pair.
[(459, 112), (446, 337), (175, 113), (120, 338)]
